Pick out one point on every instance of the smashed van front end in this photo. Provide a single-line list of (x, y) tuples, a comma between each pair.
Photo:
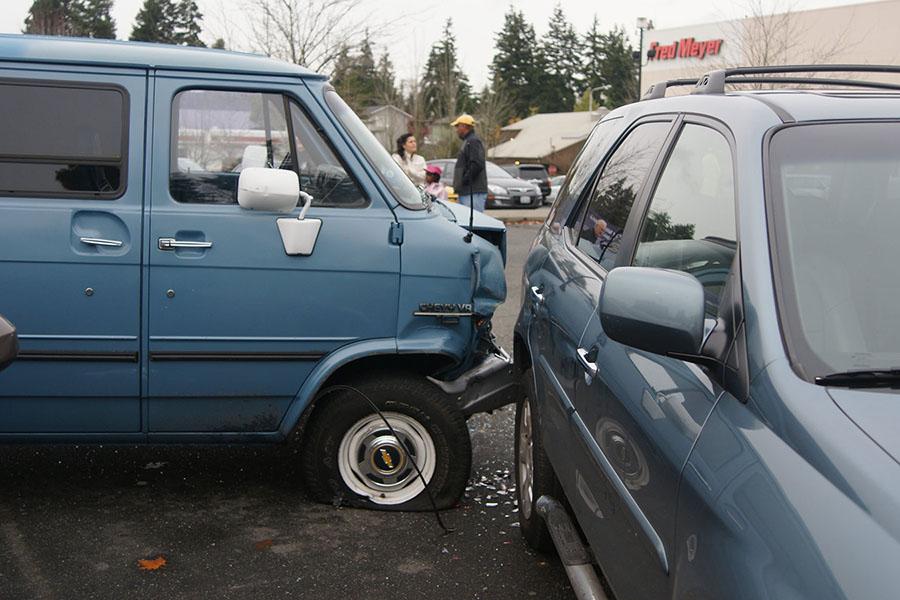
[(451, 281), (449, 290)]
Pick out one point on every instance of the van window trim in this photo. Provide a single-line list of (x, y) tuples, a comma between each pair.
[(122, 161), (288, 99)]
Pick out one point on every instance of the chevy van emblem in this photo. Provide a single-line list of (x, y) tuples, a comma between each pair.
[(429, 309)]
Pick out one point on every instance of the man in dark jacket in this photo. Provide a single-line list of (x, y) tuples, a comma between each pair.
[(469, 176)]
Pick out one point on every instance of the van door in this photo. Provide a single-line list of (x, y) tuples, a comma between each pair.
[(70, 248), (236, 325)]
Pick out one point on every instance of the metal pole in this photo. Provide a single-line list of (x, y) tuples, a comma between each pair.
[(640, 63)]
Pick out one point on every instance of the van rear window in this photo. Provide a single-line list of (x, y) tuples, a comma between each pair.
[(62, 141)]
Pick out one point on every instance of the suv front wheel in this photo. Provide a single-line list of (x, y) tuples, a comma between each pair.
[(534, 474)]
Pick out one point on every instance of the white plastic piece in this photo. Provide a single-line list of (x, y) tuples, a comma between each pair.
[(268, 189), (299, 237)]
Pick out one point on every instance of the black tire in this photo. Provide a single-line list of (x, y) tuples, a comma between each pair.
[(415, 400), (544, 482)]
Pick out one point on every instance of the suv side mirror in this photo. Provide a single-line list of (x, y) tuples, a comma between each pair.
[(9, 343), (268, 189), (657, 310)]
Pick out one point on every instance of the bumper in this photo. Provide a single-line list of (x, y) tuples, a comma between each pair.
[(514, 201), (488, 385)]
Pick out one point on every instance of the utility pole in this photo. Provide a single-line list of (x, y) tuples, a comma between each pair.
[(643, 24)]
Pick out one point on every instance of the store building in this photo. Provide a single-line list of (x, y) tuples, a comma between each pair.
[(848, 34)]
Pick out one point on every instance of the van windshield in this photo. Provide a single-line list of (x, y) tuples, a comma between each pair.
[(395, 179), (836, 203)]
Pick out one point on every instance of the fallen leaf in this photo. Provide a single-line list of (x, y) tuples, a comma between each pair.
[(263, 544), (152, 564)]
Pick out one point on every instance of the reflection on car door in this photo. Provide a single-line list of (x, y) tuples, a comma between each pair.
[(642, 412), (235, 323), (566, 290)]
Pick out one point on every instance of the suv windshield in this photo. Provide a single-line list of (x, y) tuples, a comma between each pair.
[(403, 189), (836, 206)]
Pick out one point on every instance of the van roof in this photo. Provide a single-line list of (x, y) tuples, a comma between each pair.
[(114, 53)]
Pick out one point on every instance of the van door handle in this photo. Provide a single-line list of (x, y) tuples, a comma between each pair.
[(172, 244), (537, 293), (587, 358), (101, 242)]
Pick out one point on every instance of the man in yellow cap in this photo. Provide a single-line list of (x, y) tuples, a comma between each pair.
[(469, 176)]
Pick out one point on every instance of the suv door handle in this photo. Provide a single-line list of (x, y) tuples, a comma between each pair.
[(172, 244), (536, 293), (587, 358), (100, 242)]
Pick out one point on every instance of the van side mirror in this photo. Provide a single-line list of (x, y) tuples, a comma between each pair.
[(268, 189), (9, 343), (657, 310)]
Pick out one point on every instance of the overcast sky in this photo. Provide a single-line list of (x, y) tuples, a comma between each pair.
[(475, 21)]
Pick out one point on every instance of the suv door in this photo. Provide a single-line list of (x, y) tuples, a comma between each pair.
[(70, 248), (564, 292), (236, 324), (641, 413)]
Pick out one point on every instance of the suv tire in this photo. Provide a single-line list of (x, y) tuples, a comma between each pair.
[(350, 457)]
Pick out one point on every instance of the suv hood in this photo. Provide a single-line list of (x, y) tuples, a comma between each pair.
[(875, 411)]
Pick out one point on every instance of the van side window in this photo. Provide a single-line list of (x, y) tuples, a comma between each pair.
[(613, 196), (690, 225), (62, 141), (321, 173), (216, 134)]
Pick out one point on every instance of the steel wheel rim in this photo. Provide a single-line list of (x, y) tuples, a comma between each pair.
[(525, 461), (377, 465)]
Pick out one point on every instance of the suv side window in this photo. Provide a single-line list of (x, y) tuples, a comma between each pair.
[(62, 140), (217, 134), (595, 148), (690, 223), (613, 196)]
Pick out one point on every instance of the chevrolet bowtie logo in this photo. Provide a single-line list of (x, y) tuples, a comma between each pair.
[(386, 457)]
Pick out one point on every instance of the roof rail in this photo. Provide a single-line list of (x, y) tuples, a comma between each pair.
[(714, 82), (658, 90)]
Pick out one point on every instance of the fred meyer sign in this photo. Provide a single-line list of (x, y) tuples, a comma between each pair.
[(686, 48)]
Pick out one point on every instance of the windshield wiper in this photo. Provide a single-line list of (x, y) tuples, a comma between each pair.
[(862, 378)]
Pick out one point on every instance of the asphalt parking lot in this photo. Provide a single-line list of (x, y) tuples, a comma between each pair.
[(235, 523)]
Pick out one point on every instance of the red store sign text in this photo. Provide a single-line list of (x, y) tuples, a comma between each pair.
[(686, 48)]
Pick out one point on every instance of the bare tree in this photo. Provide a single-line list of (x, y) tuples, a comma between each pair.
[(773, 34), (494, 104), (310, 33)]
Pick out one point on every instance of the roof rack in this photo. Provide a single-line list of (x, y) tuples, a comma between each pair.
[(714, 82)]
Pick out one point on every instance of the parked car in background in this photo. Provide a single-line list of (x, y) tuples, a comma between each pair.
[(205, 246), (555, 183), (533, 173), (709, 345), (504, 190)]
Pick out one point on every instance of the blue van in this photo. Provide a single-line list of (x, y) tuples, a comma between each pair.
[(207, 246)]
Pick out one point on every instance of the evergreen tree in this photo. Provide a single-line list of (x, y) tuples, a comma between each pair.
[(355, 76), (593, 52), (95, 19), (515, 67), (618, 69), (445, 87), (168, 22), (82, 18), (385, 88), (559, 64)]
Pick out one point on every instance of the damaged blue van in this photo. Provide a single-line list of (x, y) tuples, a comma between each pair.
[(207, 246)]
